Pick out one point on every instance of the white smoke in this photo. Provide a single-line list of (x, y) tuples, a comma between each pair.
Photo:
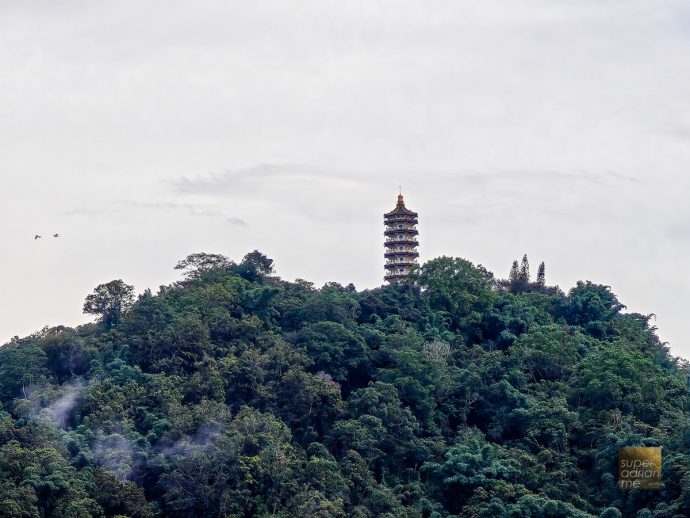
[(115, 453), (60, 411), (203, 437), (57, 412)]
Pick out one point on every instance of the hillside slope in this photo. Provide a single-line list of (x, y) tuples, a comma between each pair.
[(234, 393)]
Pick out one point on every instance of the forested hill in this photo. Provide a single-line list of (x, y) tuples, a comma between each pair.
[(233, 393)]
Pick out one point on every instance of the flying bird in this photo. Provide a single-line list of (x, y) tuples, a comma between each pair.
[(56, 235), (37, 237)]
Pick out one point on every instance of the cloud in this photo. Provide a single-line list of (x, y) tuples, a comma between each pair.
[(82, 211), (119, 206), (267, 177), (230, 179), (306, 192)]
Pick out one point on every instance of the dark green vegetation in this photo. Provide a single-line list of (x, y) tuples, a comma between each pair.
[(235, 393)]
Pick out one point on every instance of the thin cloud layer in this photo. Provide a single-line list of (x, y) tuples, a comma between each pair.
[(119, 206)]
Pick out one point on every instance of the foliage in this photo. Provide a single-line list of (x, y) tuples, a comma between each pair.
[(234, 393), (110, 300), (195, 266)]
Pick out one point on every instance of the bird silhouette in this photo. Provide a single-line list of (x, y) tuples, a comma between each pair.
[(56, 235), (37, 237)]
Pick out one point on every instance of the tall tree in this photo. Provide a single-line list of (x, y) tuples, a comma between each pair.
[(109, 301), (255, 265), (195, 265), (514, 275), (541, 274), (22, 363), (524, 275)]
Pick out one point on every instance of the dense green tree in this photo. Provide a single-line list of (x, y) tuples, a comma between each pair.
[(593, 307), (541, 274), (548, 352), (110, 300), (22, 364), (459, 291), (196, 266), (120, 498), (66, 353), (470, 464), (514, 275), (254, 266), (524, 275), (613, 376), (334, 349)]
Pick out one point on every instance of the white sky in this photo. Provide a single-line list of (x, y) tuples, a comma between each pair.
[(144, 131)]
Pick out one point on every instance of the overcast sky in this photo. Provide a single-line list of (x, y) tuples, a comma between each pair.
[(144, 131)]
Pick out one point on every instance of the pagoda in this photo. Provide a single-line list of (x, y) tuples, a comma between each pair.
[(401, 241)]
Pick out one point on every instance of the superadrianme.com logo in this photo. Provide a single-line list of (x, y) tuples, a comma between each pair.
[(639, 468)]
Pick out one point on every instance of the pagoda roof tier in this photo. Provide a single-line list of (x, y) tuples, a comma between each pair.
[(398, 244), (393, 264), (408, 231), (394, 221), (400, 209), (398, 253), (400, 217), (396, 277), (393, 242)]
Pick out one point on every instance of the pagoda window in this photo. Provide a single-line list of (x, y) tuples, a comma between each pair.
[(400, 226)]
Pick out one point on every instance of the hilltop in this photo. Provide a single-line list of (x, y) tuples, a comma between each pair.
[(235, 393)]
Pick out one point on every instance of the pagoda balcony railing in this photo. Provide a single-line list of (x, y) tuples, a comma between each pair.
[(409, 262), (400, 222), (400, 245), (401, 217), (401, 253), (393, 273), (396, 276), (403, 240), (392, 231), (401, 258), (408, 245), (404, 227)]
